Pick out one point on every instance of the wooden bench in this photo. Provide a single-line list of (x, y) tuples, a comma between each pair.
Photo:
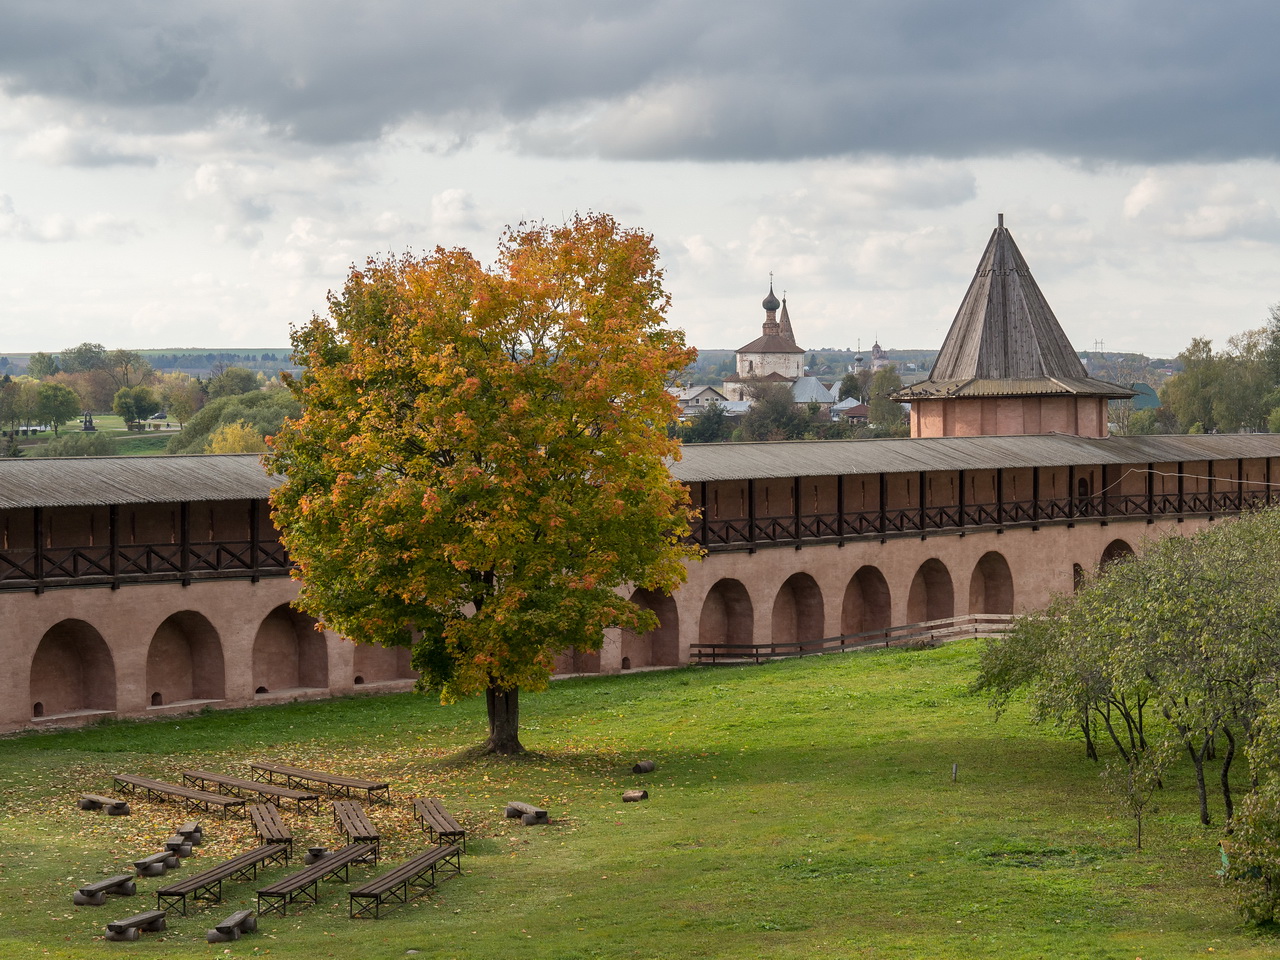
[(127, 929), (305, 884), (527, 812), (95, 801), (402, 883), (196, 799), (374, 791), (178, 845), (435, 819), (155, 864), (242, 921), (240, 787), (192, 831), (270, 827), (94, 894), (350, 817), (207, 884)]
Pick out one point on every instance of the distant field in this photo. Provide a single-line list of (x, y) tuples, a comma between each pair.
[(803, 809)]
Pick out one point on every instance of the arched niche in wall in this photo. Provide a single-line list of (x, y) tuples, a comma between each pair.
[(991, 587), (72, 670), (797, 610), (660, 647), (1116, 550), (372, 663), (185, 661), (866, 604), (727, 615), (932, 596), (289, 653)]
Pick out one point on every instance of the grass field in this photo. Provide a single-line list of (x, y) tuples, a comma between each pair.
[(127, 443), (798, 809)]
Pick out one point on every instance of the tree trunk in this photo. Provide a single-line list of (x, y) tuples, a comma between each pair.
[(1197, 760), (1226, 775), (504, 720)]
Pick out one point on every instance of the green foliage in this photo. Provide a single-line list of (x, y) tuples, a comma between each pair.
[(87, 356), (264, 410), (1225, 392), (856, 385), (41, 365), (710, 426), (135, 404), (480, 462), (1190, 631), (232, 382), (58, 404), (886, 416), (77, 445), (774, 415)]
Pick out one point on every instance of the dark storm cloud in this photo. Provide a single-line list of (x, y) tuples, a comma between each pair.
[(1149, 80)]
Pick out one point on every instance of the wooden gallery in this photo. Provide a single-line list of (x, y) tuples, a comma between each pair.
[(145, 586)]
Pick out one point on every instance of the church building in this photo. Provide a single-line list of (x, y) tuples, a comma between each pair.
[(773, 357)]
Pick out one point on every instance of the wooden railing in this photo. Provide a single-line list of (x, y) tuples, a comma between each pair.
[(48, 567), (743, 532), (939, 631)]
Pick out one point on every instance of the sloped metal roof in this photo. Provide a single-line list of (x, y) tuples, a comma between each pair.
[(821, 458), (101, 481), (1040, 387), (811, 390)]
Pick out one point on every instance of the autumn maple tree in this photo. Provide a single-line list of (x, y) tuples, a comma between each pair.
[(480, 467)]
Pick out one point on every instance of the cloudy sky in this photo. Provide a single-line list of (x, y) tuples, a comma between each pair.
[(201, 173)]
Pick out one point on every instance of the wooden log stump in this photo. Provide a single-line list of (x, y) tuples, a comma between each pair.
[(635, 796), (527, 812), (644, 766)]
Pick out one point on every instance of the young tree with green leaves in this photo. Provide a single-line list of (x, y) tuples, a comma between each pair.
[(57, 404), (41, 365), (135, 404), (480, 464)]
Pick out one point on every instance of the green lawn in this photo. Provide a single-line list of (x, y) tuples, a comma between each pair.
[(126, 442), (798, 809)]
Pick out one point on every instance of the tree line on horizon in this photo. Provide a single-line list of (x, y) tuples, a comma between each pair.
[(1235, 390), (233, 410)]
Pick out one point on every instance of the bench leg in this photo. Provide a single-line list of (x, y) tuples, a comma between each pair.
[(130, 934)]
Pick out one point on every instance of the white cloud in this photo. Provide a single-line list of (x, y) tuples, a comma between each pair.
[(455, 209)]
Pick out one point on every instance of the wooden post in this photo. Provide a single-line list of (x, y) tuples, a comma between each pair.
[(255, 508), (184, 553), (960, 498), (703, 525), (1035, 493), (795, 505), (883, 522), (113, 544), (840, 504), (751, 510), (37, 523)]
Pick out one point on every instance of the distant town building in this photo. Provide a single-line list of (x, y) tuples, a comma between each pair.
[(695, 399), (773, 357)]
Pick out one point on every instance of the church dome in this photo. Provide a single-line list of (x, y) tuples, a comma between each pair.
[(771, 302)]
